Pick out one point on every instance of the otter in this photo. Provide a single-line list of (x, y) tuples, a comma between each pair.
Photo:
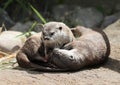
[(34, 54), (56, 35), (29, 52), (91, 48)]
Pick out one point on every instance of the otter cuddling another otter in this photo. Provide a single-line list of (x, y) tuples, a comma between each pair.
[(91, 48), (58, 50), (34, 53)]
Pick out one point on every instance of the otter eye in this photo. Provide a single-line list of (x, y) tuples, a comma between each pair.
[(60, 28), (52, 33)]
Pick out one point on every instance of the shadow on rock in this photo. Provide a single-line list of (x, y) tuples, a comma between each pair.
[(113, 64), (31, 71)]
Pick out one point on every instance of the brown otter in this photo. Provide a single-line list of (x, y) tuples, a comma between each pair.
[(33, 53), (91, 48), (56, 35), (29, 52)]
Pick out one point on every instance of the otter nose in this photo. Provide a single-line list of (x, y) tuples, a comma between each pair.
[(46, 38)]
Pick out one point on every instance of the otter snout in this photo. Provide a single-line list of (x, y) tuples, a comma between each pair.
[(46, 38)]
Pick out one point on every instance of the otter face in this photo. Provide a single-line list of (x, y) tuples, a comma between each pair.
[(56, 34), (50, 33), (65, 58)]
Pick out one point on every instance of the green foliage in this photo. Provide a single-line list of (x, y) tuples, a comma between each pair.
[(6, 5), (25, 5), (60, 1), (38, 14), (28, 33), (101, 9), (32, 27), (104, 10)]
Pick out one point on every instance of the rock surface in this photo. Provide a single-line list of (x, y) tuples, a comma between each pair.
[(61, 11), (88, 17), (4, 18), (108, 74), (110, 19), (76, 15), (10, 41), (24, 27)]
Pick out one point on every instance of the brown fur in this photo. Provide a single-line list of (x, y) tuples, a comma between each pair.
[(91, 48), (32, 55), (34, 50), (56, 34), (29, 52)]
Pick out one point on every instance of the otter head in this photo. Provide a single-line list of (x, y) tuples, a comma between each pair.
[(56, 34)]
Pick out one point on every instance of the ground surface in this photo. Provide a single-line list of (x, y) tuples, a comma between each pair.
[(108, 74)]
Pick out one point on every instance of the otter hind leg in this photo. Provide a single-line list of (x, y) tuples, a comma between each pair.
[(23, 60)]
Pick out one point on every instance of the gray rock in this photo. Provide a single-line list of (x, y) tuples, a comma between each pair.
[(110, 19), (10, 41), (117, 7), (61, 11), (4, 18), (24, 27), (88, 17)]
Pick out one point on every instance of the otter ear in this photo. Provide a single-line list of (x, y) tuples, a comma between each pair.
[(41, 26), (60, 28), (75, 32)]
